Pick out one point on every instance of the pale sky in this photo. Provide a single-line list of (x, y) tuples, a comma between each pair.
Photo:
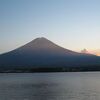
[(73, 24)]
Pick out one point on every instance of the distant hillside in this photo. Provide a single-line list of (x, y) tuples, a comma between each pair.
[(42, 53)]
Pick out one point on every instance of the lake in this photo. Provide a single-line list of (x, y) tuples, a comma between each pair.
[(50, 86)]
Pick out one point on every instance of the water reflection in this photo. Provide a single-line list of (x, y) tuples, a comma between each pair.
[(50, 86)]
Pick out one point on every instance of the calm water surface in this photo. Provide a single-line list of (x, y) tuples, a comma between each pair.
[(50, 86)]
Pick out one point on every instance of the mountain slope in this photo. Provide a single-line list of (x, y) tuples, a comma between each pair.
[(41, 52)]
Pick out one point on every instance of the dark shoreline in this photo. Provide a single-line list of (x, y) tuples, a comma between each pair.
[(51, 69)]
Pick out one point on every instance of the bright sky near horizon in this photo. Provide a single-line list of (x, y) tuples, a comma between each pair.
[(73, 24)]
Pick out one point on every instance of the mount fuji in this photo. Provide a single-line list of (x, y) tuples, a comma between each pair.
[(42, 52)]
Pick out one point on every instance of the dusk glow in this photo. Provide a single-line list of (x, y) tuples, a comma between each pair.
[(96, 52), (73, 24)]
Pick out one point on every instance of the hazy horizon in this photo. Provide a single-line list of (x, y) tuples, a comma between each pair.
[(72, 24)]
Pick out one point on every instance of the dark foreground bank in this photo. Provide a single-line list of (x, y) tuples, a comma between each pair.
[(51, 69)]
